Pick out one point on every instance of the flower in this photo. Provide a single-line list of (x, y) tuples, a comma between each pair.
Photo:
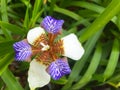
[(49, 53)]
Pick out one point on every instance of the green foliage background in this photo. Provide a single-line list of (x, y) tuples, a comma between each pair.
[(95, 22)]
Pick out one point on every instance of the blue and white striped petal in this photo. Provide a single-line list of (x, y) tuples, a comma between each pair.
[(58, 68), (52, 25), (22, 50)]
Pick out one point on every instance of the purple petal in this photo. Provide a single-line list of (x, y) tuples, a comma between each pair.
[(51, 25), (59, 68), (22, 50)]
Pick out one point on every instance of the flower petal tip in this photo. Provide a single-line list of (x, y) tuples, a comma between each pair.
[(72, 47), (22, 50), (34, 34), (52, 25), (37, 75)]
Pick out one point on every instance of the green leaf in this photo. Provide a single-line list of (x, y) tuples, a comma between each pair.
[(61, 81), (10, 80), (13, 28), (37, 11), (4, 10), (6, 47), (91, 69), (5, 61), (112, 63), (27, 17), (93, 7), (1, 84), (68, 13), (4, 16), (1, 38), (87, 5), (113, 8), (80, 64), (33, 20), (71, 14), (37, 7)]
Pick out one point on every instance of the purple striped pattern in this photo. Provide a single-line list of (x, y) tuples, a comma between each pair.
[(22, 50), (51, 25), (58, 68)]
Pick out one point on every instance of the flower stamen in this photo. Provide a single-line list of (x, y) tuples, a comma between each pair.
[(51, 38), (42, 39), (45, 47)]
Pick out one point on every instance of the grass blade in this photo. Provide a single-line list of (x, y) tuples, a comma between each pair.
[(13, 28), (71, 14), (91, 69), (113, 8), (112, 61), (80, 64), (10, 81), (4, 16), (5, 61)]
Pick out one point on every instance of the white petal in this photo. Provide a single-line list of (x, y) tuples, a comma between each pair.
[(72, 47), (37, 75), (34, 33)]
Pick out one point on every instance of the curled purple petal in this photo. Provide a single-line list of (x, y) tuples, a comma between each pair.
[(52, 25), (22, 50), (58, 68)]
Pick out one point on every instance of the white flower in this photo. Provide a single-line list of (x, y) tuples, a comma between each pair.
[(37, 74), (47, 52)]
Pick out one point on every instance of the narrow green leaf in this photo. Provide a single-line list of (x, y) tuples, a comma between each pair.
[(6, 47), (87, 5), (37, 10), (33, 21), (11, 82), (1, 84), (115, 78), (113, 8), (91, 6), (26, 2), (13, 28), (37, 7), (16, 5), (4, 16), (91, 69), (61, 81), (83, 21), (1, 38), (5, 61), (52, 4), (71, 14), (112, 61), (80, 64), (27, 16), (4, 10), (68, 13)]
